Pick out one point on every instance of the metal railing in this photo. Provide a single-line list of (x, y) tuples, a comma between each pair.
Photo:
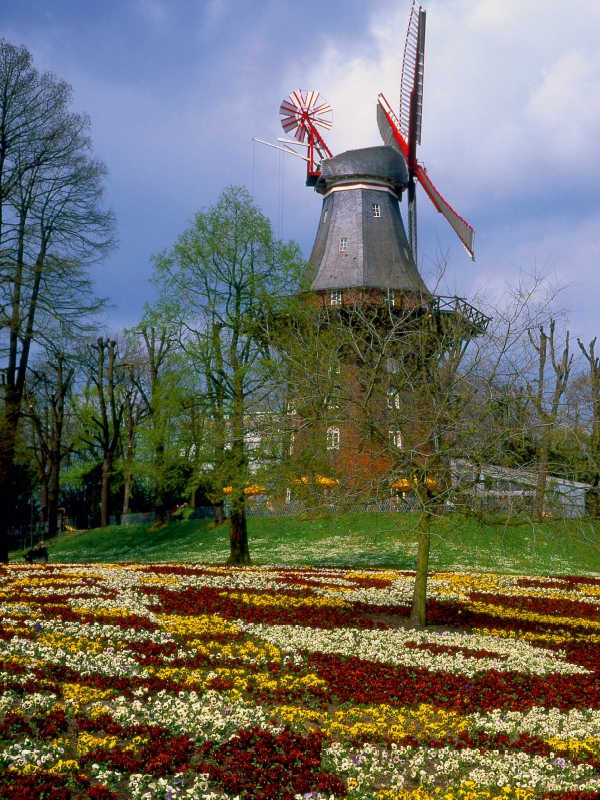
[(477, 320)]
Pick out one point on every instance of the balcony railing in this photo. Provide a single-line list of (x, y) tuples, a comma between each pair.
[(475, 319)]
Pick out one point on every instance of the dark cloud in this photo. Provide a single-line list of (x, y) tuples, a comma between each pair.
[(177, 88)]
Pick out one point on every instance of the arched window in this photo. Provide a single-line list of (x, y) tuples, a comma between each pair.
[(393, 398), (396, 437), (333, 438)]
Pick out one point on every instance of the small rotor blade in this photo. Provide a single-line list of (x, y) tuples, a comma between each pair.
[(462, 228), (389, 126)]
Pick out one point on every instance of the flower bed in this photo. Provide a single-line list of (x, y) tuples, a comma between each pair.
[(186, 682)]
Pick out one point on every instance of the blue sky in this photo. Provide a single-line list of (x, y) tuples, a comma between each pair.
[(176, 89)]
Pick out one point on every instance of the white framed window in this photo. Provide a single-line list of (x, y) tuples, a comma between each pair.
[(325, 215), (343, 244), (335, 298), (333, 438), (292, 442), (396, 437), (393, 398), (389, 297), (376, 210)]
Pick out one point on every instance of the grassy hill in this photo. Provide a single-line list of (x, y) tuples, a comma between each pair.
[(356, 539)]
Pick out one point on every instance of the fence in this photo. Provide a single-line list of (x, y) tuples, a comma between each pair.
[(390, 505), (139, 518)]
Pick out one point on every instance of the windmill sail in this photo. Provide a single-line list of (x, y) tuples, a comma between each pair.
[(389, 126), (412, 220), (462, 228)]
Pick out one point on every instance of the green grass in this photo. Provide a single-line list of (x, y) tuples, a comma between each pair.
[(355, 539)]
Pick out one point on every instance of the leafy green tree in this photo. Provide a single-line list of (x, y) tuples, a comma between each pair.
[(232, 279)]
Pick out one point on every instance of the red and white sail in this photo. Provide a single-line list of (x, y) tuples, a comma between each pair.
[(404, 132)]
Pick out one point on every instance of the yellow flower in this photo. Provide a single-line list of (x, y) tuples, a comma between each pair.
[(285, 601), (66, 767), (86, 743), (531, 616), (197, 626), (84, 694)]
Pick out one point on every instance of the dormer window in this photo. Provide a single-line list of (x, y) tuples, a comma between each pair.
[(343, 245), (335, 298), (376, 210)]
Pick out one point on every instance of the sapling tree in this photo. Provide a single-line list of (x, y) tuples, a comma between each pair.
[(157, 338), (47, 413), (103, 411)]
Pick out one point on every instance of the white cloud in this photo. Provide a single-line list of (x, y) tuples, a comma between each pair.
[(565, 109), (154, 11), (510, 88)]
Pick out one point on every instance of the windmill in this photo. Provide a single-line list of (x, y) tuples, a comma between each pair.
[(404, 133)]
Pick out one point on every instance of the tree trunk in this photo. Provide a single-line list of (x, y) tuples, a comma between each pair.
[(159, 492), (8, 437), (53, 499), (418, 612), (540, 489), (238, 538), (44, 499), (105, 494), (219, 514), (126, 493)]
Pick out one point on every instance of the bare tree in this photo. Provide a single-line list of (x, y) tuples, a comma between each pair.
[(55, 381), (409, 398), (105, 409), (546, 398), (39, 424), (594, 445), (51, 227)]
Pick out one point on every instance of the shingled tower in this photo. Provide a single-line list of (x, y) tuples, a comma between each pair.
[(361, 251)]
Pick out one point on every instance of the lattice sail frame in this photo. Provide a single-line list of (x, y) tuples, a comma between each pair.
[(409, 69)]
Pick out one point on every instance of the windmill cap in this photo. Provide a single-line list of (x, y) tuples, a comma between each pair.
[(382, 162)]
